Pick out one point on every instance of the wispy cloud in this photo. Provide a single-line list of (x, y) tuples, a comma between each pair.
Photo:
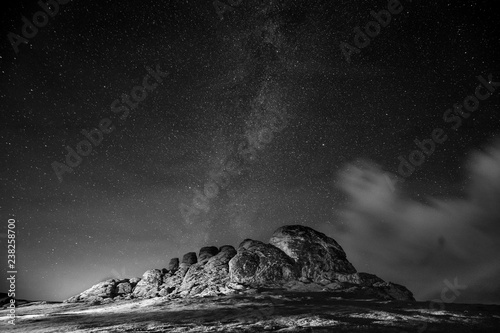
[(420, 244)]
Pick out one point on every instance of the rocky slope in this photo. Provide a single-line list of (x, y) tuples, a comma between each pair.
[(297, 258), (262, 310)]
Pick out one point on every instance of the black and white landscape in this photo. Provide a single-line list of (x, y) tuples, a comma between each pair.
[(300, 281), (250, 166)]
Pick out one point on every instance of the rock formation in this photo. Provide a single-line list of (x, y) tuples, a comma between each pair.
[(189, 258), (316, 256), (150, 283), (210, 277), (207, 252), (297, 258), (258, 264), (174, 264)]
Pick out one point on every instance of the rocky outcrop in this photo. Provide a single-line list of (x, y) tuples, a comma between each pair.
[(207, 252), (189, 258), (123, 288), (149, 285), (317, 256), (260, 264), (208, 277), (364, 279), (173, 278), (226, 247), (173, 265), (99, 291), (395, 291), (297, 258), (134, 281)]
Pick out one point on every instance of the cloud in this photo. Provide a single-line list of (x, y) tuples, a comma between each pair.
[(422, 244)]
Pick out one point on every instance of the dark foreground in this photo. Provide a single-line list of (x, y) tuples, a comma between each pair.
[(269, 311)]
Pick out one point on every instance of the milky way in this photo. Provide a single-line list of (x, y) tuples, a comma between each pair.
[(266, 86)]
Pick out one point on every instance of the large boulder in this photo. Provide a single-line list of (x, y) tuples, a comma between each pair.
[(173, 265), (207, 252), (208, 277), (189, 258), (260, 264), (226, 247), (394, 291), (149, 285), (316, 256), (367, 279), (173, 279), (374, 285), (101, 290), (134, 281), (123, 288), (387, 290)]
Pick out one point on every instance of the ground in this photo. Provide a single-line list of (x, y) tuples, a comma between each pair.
[(263, 311)]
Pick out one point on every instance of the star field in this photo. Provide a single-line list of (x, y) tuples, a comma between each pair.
[(117, 214)]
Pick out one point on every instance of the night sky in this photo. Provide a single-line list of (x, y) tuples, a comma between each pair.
[(216, 82)]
